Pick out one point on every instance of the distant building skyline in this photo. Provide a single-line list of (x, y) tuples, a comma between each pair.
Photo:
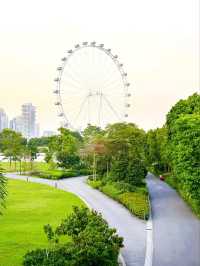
[(16, 124), (3, 119), (29, 120), (25, 123), (48, 133)]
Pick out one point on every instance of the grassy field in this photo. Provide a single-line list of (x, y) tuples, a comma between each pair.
[(26, 166), (42, 169), (29, 207)]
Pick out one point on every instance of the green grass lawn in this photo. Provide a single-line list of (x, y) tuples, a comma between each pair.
[(29, 207), (42, 169), (26, 166)]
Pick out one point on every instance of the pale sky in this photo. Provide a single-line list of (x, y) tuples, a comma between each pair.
[(157, 40)]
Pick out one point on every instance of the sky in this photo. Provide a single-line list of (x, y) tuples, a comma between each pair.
[(157, 41)]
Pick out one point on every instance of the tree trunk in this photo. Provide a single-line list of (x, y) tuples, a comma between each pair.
[(94, 166), (20, 167), (10, 162), (107, 168)]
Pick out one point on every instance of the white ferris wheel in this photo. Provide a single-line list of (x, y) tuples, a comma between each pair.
[(91, 87)]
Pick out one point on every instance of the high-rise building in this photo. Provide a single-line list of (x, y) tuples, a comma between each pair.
[(37, 131), (29, 120), (3, 120), (48, 133), (17, 124)]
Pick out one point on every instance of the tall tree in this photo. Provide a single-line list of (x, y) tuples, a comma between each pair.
[(3, 191), (12, 143), (64, 147)]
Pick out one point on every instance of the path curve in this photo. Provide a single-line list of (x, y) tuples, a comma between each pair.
[(176, 231), (129, 227)]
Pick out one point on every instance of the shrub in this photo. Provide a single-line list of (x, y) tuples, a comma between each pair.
[(93, 243), (95, 183), (85, 172), (135, 199), (111, 190), (55, 174), (137, 203)]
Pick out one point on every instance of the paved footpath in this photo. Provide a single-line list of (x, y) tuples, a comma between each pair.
[(131, 228), (176, 231)]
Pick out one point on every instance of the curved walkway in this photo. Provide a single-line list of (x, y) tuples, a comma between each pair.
[(129, 227), (176, 231)]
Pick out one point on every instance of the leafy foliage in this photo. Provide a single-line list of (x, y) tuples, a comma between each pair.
[(118, 152), (12, 144), (64, 147), (175, 148), (183, 123), (157, 150), (134, 198), (93, 242), (3, 191)]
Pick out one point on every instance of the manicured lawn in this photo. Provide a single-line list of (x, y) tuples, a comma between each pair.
[(29, 207), (42, 169), (26, 166)]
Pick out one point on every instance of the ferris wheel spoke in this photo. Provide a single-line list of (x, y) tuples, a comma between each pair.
[(99, 112), (70, 77), (110, 78), (72, 80), (113, 87), (111, 107), (81, 108), (66, 85)]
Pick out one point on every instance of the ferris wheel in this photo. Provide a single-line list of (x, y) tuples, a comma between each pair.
[(91, 87)]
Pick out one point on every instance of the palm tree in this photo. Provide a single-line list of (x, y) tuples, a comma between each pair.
[(3, 191)]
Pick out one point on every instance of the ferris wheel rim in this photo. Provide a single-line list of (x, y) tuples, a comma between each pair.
[(61, 68)]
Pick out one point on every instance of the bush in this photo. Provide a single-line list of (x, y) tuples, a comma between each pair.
[(111, 191), (93, 243), (125, 187), (137, 203), (85, 172), (95, 183), (55, 174), (135, 199)]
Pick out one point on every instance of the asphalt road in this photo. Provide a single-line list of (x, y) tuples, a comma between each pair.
[(131, 228), (176, 231)]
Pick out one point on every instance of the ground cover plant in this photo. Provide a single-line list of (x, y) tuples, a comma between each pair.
[(134, 198)]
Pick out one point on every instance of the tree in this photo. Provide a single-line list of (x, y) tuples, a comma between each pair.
[(157, 156), (65, 149), (3, 191), (127, 149), (183, 124), (12, 144), (90, 132), (96, 151)]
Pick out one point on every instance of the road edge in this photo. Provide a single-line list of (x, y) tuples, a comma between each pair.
[(149, 237)]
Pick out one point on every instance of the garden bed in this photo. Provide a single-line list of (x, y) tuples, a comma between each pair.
[(135, 199)]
